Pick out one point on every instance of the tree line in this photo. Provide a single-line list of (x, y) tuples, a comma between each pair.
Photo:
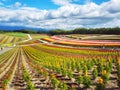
[(115, 30), (86, 31)]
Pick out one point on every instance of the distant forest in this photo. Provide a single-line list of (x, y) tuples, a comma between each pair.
[(74, 31)]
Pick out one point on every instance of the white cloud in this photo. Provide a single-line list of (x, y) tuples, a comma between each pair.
[(68, 16), (17, 4), (66, 2), (111, 6), (61, 2)]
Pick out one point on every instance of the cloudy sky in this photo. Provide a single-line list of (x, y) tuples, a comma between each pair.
[(62, 14)]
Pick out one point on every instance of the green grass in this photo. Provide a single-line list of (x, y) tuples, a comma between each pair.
[(17, 34)]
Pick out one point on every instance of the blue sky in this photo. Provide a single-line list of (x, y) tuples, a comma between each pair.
[(41, 4), (63, 14), (47, 4)]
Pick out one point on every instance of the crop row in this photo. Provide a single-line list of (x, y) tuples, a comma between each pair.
[(47, 67), (80, 72), (13, 73)]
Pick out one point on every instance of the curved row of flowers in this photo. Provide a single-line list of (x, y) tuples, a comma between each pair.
[(92, 43)]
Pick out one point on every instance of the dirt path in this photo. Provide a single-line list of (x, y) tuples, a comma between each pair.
[(29, 36), (4, 50)]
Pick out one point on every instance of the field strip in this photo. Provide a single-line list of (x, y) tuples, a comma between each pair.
[(15, 68), (8, 66)]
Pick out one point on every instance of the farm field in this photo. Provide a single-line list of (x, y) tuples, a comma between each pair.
[(35, 65), (9, 39)]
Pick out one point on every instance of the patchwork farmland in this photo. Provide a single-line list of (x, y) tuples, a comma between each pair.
[(60, 62)]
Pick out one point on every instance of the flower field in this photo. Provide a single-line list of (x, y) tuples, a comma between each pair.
[(49, 67), (63, 40)]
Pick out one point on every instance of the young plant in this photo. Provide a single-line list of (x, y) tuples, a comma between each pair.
[(27, 79), (100, 85), (79, 80), (54, 82), (95, 73), (45, 73), (30, 86), (64, 72), (118, 72), (100, 67), (4, 83), (26, 76), (62, 86), (108, 67), (70, 75), (105, 76), (86, 80)]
